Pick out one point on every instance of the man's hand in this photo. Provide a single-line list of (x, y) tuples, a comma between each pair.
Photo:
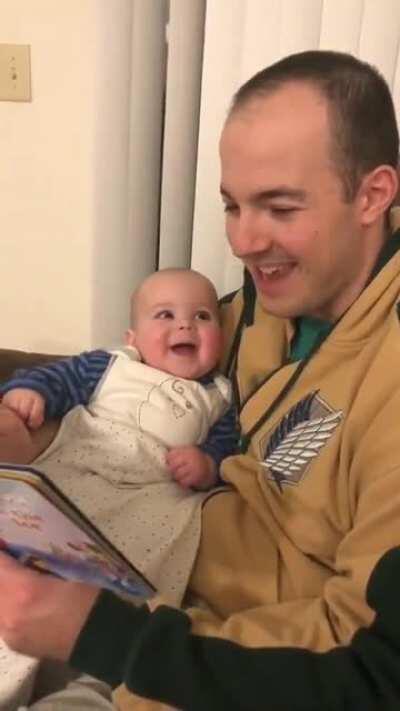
[(28, 404), (41, 615), (192, 468), (16, 444)]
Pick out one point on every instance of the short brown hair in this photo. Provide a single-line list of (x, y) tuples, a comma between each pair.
[(361, 112)]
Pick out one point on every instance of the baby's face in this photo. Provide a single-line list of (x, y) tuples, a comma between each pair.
[(176, 326)]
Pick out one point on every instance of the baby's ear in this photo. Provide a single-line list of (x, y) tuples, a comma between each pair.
[(130, 337)]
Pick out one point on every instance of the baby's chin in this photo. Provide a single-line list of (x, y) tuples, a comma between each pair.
[(183, 364), (189, 373)]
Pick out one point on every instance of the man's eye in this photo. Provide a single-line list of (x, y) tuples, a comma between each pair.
[(203, 316), (230, 207), (281, 211), (164, 314)]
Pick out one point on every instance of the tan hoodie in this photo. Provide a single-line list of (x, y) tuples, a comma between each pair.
[(286, 553), (285, 556)]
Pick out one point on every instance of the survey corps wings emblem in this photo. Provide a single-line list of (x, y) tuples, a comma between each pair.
[(298, 438)]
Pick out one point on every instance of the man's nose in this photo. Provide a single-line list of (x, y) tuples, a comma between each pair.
[(248, 235)]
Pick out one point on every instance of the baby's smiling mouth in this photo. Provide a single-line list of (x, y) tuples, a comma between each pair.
[(183, 349)]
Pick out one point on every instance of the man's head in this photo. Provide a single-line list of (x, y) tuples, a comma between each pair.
[(309, 156), (175, 323), (361, 114)]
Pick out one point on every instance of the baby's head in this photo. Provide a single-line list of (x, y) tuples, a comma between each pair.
[(175, 323)]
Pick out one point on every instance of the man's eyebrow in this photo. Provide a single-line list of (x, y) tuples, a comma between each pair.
[(281, 191)]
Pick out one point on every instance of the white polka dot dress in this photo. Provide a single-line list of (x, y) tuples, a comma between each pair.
[(109, 459)]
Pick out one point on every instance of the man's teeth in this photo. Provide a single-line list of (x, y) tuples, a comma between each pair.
[(273, 269)]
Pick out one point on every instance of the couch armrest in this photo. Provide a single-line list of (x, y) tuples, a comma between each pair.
[(10, 360)]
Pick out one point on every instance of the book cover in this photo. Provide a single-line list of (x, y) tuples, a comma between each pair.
[(41, 528)]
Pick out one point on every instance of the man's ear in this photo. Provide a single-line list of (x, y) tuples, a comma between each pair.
[(130, 337), (377, 192)]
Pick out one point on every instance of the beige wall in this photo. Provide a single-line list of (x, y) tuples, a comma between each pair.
[(64, 253)]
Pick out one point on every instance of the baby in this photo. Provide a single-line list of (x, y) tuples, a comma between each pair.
[(144, 428)]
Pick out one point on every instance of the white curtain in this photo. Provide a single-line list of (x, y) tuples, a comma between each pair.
[(166, 68), (185, 51), (147, 90), (213, 46)]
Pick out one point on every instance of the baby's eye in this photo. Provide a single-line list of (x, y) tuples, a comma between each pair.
[(203, 316), (165, 313)]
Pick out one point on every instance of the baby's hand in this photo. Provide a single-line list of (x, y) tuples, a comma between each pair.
[(192, 468), (28, 404)]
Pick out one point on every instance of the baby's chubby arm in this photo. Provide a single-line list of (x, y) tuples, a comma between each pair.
[(192, 468), (28, 404), (198, 467)]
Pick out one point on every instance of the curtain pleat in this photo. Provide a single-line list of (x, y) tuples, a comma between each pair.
[(185, 35), (147, 93)]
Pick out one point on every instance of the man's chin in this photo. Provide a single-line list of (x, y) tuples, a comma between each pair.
[(281, 309)]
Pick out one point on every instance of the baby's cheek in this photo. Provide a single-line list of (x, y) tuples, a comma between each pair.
[(214, 342)]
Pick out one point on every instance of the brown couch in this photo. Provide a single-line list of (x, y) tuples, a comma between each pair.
[(11, 359)]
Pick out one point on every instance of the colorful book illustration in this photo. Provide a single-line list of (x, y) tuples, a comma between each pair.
[(41, 528)]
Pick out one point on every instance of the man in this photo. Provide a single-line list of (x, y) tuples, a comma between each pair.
[(309, 156)]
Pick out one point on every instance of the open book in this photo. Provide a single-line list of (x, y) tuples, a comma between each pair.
[(43, 529)]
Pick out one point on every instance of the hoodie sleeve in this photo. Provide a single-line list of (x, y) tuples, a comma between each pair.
[(157, 655)]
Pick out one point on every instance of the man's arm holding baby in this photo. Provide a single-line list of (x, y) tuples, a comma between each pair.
[(18, 443), (45, 392), (157, 654), (27, 404)]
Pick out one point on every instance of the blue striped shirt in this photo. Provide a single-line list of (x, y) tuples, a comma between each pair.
[(72, 381)]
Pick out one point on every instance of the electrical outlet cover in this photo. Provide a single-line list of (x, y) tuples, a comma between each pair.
[(15, 72)]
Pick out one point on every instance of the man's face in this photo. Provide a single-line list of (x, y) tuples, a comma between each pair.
[(176, 326), (285, 214)]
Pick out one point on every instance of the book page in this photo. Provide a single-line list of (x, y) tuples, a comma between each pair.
[(37, 533)]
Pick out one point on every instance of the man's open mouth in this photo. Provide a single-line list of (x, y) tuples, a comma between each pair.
[(275, 271)]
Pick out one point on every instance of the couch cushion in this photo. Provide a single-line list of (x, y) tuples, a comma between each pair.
[(10, 360)]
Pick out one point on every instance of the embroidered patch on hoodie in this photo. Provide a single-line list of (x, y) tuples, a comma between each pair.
[(288, 452)]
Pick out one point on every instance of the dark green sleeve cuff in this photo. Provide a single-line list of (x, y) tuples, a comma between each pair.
[(108, 638)]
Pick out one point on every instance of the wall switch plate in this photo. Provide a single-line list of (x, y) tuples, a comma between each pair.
[(15, 72)]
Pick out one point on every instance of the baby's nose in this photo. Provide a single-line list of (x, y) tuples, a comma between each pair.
[(185, 323)]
